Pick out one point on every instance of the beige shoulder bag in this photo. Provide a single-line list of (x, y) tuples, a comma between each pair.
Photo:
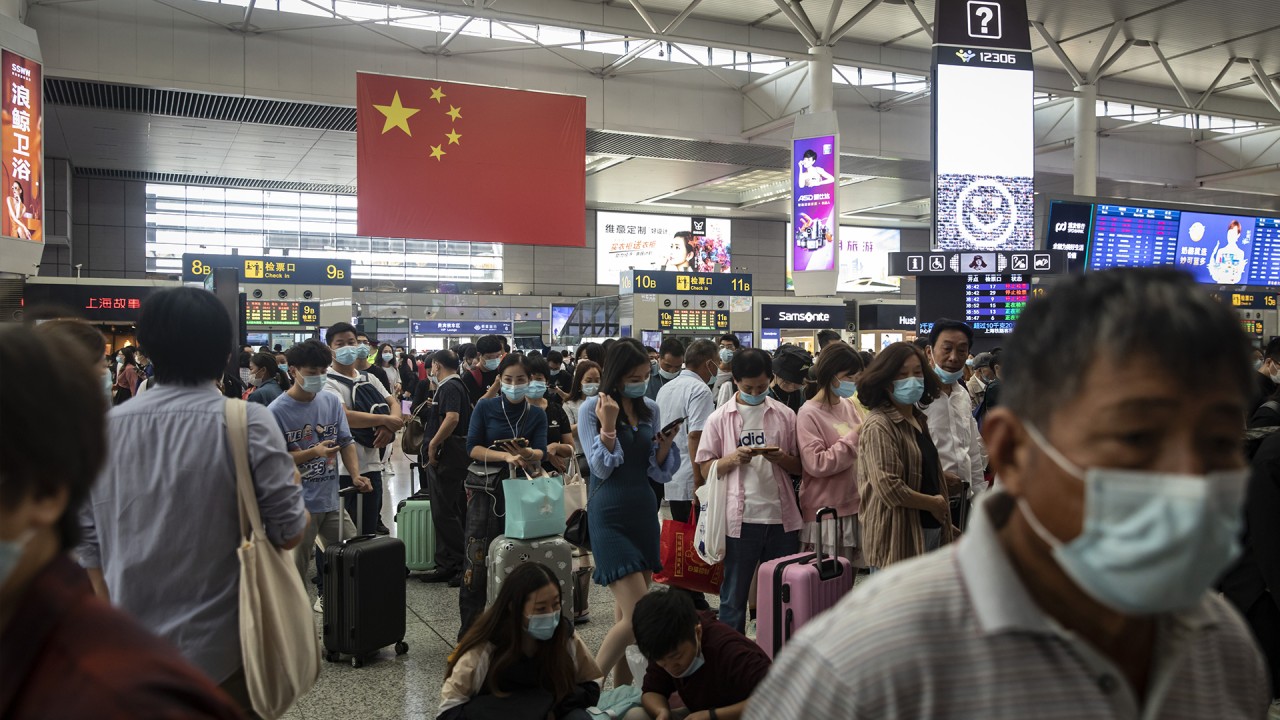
[(278, 639)]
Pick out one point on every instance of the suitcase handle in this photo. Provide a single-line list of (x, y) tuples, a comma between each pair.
[(828, 565)]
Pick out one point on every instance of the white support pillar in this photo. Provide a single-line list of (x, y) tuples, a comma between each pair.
[(1086, 145), (821, 89), (11, 9)]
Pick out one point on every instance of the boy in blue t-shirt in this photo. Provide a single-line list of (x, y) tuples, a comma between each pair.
[(316, 432)]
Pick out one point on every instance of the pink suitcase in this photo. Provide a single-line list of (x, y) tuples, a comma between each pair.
[(796, 589)]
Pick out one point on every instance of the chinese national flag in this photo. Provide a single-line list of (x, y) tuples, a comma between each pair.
[(451, 161)]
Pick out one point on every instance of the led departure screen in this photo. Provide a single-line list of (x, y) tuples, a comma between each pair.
[(991, 304), (280, 312)]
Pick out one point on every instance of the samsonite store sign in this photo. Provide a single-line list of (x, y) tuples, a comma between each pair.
[(802, 317)]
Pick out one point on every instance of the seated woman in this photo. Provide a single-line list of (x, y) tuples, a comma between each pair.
[(518, 661)]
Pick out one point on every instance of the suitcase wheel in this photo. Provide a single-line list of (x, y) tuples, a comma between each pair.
[(332, 657), (402, 647), (356, 662)]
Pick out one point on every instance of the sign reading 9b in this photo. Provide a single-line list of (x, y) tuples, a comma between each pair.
[(269, 269)]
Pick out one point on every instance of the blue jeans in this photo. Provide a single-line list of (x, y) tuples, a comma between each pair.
[(758, 544)]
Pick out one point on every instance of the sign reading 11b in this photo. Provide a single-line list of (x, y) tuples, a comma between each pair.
[(984, 129)]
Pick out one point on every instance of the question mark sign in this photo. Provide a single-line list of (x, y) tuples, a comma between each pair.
[(986, 14)]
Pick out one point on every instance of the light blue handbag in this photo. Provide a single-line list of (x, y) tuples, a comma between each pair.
[(535, 506), (615, 703)]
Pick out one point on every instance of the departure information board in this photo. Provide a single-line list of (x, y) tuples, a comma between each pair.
[(693, 320), (990, 304), (280, 312), (1216, 246)]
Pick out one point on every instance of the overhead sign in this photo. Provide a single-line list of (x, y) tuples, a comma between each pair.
[(458, 327), (674, 243), (268, 269), (95, 303), (1250, 301), (990, 304), (281, 312), (809, 317), (815, 173), (21, 150), (1068, 230), (673, 283), (693, 320), (1038, 262), (983, 125), (886, 317)]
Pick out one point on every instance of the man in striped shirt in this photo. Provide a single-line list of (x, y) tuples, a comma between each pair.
[(1081, 588)]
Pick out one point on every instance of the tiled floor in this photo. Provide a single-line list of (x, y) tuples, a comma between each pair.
[(409, 686)]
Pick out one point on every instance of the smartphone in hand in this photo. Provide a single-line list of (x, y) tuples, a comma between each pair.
[(671, 426)]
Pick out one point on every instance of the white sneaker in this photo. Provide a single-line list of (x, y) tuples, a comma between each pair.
[(319, 606)]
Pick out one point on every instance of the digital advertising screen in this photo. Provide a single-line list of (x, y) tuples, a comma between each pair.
[(814, 217), (863, 260), (21, 151), (674, 243), (559, 316), (991, 304), (1216, 246)]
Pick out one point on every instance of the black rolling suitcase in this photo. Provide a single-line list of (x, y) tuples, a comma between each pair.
[(364, 595)]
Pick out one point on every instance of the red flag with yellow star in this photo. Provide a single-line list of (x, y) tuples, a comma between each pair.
[(451, 161)]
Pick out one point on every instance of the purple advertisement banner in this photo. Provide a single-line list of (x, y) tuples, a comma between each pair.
[(813, 203)]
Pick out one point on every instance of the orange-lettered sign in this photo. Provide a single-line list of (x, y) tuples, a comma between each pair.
[(21, 148), (451, 161)]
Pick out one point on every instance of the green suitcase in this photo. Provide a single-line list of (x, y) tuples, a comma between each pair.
[(415, 529)]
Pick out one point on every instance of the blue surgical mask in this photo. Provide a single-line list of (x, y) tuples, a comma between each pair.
[(726, 355), (363, 352), (635, 390), (515, 393), (668, 375), (750, 399), (387, 357), (908, 391), (312, 383), (284, 367), (948, 378), (554, 371), (11, 553), (1151, 542), (590, 389), (969, 362), (845, 388), (537, 389), (695, 666), (492, 363), (542, 627), (1257, 364), (347, 354)]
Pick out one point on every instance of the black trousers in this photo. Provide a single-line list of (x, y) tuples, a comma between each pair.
[(448, 512), (680, 510), (1264, 620), (484, 522)]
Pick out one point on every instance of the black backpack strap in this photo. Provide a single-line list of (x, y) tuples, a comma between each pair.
[(342, 379)]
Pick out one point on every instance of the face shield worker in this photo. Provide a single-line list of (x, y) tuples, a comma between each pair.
[(1082, 588)]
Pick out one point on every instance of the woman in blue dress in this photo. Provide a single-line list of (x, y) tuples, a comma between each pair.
[(619, 430)]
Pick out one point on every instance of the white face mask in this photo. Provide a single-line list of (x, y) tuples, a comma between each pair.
[(1152, 542)]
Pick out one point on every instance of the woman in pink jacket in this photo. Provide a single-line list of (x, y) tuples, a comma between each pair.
[(827, 433)]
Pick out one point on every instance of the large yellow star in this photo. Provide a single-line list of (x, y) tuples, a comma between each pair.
[(397, 115), (454, 136), (437, 152), (437, 94), (455, 113)]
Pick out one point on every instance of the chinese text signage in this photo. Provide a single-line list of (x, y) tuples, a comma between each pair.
[(694, 320), (290, 270), (281, 312), (459, 327), (671, 283), (21, 148), (95, 303), (814, 218), (673, 243)]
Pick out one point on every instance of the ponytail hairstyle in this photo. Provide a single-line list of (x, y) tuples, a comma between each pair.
[(268, 361)]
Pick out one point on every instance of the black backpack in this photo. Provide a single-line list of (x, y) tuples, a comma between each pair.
[(366, 398)]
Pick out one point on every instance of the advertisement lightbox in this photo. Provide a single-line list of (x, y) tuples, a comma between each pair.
[(984, 127), (814, 186), (863, 260), (559, 316), (22, 147), (674, 243)]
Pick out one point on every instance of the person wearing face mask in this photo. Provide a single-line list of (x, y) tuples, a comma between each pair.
[(126, 376), (713, 668), (827, 431), (87, 341), (1268, 377), (520, 661), (621, 433), (444, 459), (666, 367), (65, 652), (982, 377), (791, 365), (687, 396), (559, 429), (752, 443), (1090, 567), (586, 384), (482, 378), (316, 433), (559, 378), (904, 506), (265, 377), (723, 386), (951, 423), (496, 426)]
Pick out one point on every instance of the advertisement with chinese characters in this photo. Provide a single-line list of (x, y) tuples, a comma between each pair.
[(813, 203), (675, 243), (864, 260), (21, 148)]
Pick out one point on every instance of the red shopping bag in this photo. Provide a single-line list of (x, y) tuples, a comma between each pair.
[(681, 566)]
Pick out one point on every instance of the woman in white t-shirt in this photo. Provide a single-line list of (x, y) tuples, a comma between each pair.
[(752, 444)]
